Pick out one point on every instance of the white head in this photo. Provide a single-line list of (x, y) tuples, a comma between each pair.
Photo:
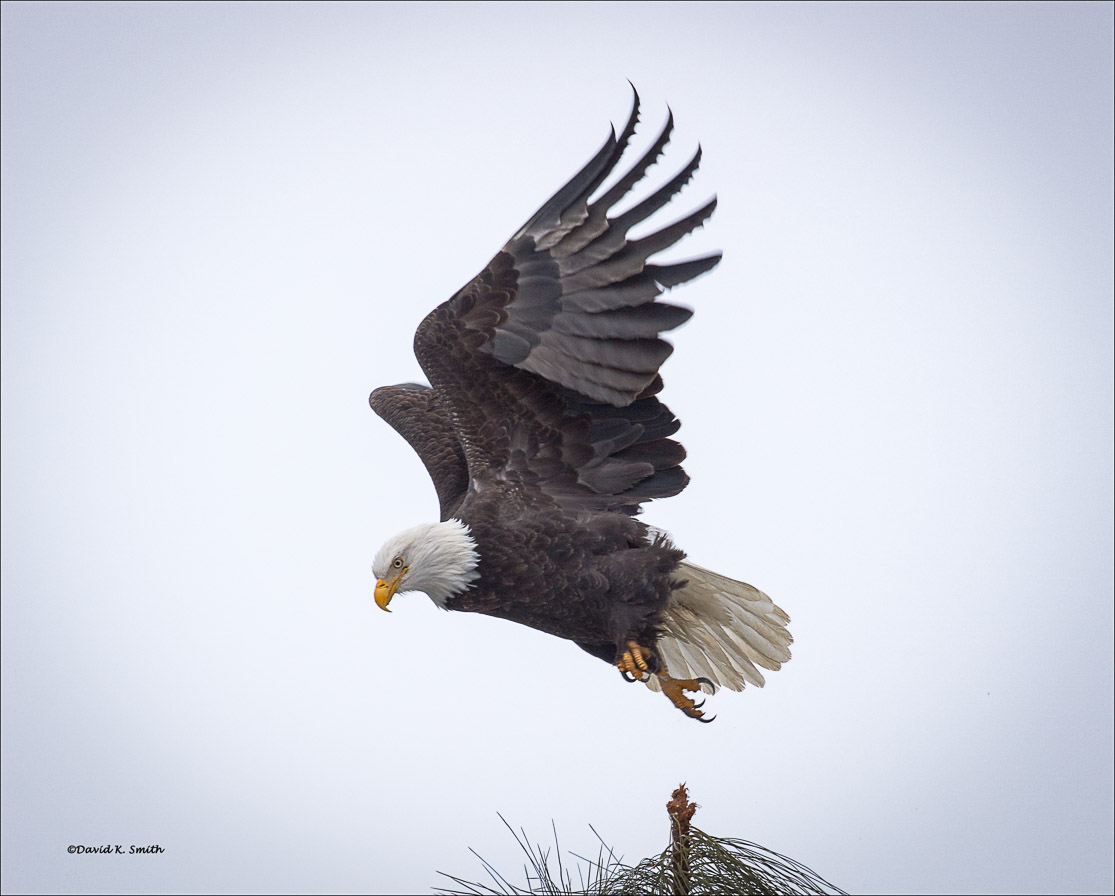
[(438, 558)]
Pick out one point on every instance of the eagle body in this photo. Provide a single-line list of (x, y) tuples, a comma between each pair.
[(544, 435), (532, 561)]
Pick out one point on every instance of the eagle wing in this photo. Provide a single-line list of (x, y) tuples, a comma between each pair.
[(545, 365), (415, 412)]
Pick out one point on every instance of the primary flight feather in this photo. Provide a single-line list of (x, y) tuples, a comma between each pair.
[(543, 434)]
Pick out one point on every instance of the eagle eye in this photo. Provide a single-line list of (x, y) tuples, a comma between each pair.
[(397, 563)]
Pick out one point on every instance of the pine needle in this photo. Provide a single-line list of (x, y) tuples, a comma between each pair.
[(694, 864)]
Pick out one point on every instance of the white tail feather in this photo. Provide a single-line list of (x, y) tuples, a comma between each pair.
[(720, 629)]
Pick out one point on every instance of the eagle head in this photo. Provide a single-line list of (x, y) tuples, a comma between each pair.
[(438, 558)]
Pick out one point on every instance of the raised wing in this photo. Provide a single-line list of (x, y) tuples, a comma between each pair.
[(547, 362), (416, 414), (571, 298)]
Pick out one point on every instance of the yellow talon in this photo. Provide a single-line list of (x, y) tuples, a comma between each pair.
[(634, 659)]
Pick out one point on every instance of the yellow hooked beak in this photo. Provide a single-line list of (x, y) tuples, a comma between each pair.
[(386, 588)]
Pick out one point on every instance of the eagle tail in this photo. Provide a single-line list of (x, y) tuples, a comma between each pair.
[(720, 629)]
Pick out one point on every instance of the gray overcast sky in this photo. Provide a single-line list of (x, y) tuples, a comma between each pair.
[(221, 224)]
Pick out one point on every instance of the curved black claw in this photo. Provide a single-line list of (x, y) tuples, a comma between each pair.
[(698, 705), (627, 676), (711, 684), (693, 714)]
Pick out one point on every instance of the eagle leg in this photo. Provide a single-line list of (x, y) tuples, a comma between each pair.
[(675, 689), (635, 662), (638, 663)]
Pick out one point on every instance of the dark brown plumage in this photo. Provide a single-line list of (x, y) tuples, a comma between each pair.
[(542, 429)]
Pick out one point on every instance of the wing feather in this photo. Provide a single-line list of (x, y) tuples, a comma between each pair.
[(545, 366), (415, 412)]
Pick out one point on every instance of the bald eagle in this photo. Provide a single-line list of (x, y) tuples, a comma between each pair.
[(543, 434)]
